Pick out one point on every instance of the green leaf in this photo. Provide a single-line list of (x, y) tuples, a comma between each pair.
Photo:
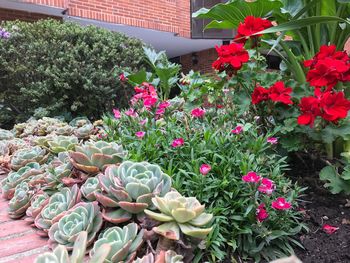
[(137, 78), (303, 22), (292, 7), (335, 183), (229, 15)]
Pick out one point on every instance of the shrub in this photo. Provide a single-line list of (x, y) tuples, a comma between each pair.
[(51, 68)]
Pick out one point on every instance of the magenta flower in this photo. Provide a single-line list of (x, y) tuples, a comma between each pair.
[(198, 112), (131, 112), (143, 122), (205, 169), (272, 140), (149, 102), (237, 130), (178, 142), (122, 77), (261, 213), (281, 204), (266, 186), (251, 177), (116, 113), (160, 111), (164, 104), (329, 229), (140, 134)]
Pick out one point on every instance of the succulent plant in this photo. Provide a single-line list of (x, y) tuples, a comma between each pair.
[(131, 186), (6, 135), (14, 178), (64, 129), (24, 156), (82, 217), (163, 257), (90, 187), (60, 253), (20, 201), (62, 143), (93, 157), (124, 243), (84, 132), (180, 213), (59, 203), (56, 171), (37, 203), (42, 141)]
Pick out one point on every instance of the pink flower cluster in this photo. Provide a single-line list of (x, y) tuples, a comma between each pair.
[(198, 113), (266, 186), (147, 93)]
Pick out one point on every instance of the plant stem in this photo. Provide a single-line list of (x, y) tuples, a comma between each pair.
[(329, 150)]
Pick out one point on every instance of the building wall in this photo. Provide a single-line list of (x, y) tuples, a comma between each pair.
[(9, 15), (205, 60), (164, 15)]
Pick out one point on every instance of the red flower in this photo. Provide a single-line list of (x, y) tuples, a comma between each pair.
[(261, 213), (178, 142), (309, 107), (147, 93), (279, 93), (259, 94), (231, 57), (251, 177), (237, 130), (326, 52), (198, 112), (281, 204), (205, 169), (122, 77), (329, 229), (250, 26), (267, 186), (334, 106)]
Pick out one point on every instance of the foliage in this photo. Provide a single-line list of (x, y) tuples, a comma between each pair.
[(51, 68)]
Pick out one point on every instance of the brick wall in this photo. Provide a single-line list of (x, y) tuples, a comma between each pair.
[(205, 60), (164, 15), (6, 14)]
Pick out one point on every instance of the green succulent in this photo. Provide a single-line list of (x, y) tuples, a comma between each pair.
[(131, 186), (14, 178), (56, 172), (24, 156), (90, 187), (62, 143), (93, 157), (124, 243), (180, 213), (6, 135), (60, 253), (59, 203), (84, 132), (163, 257), (20, 201), (82, 217), (37, 203), (43, 141), (64, 129)]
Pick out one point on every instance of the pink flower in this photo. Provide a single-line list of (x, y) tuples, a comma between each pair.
[(150, 102), (272, 140), (237, 130), (142, 122), (329, 229), (251, 177), (122, 77), (205, 169), (160, 111), (281, 204), (261, 213), (116, 113), (131, 112), (140, 134), (198, 112), (266, 186), (178, 142), (164, 104)]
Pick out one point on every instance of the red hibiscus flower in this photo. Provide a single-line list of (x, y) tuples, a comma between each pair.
[(250, 26), (231, 58), (279, 93), (259, 94), (334, 106)]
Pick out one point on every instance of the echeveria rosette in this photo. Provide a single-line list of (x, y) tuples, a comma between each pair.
[(20, 201), (180, 213), (90, 187), (62, 143), (55, 173), (6, 135), (168, 256), (37, 203), (24, 156), (131, 186), (59, 203), (64, 130), (93, 157), (82, 217), (60, 253), (14, 178), (124, 243)]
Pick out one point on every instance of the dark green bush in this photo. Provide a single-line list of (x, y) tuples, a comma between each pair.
[(51, 68)]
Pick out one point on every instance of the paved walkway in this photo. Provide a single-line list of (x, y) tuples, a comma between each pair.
[(18, 241)]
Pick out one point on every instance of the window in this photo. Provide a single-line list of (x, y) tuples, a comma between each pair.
[(198, 25)]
